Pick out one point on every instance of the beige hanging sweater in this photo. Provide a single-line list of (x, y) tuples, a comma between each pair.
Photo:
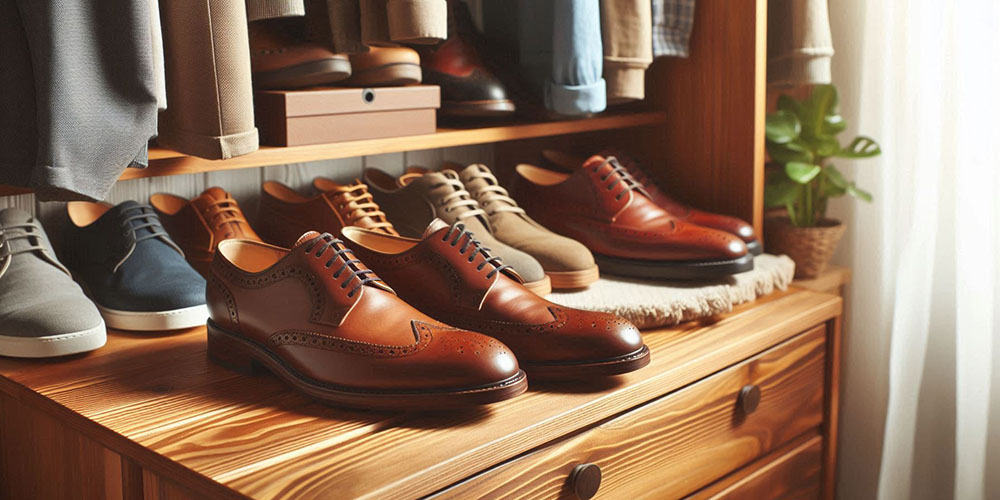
[(626, 29), (799, 45)]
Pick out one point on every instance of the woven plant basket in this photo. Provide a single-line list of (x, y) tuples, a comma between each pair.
[(810, 247)]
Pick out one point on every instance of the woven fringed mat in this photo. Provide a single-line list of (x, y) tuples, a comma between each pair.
[(657, 303)]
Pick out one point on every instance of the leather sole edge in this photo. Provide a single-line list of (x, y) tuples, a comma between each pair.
[(690, 270), (569, 280), (541, 287), (243, 355), (306, 74), (584, 369)]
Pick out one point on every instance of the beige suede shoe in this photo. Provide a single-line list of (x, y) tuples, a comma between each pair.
[(566, 262), (413, 200)]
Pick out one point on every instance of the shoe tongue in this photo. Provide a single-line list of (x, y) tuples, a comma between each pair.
[(435, 226), (594, 161), (216, 193), (307, 236)]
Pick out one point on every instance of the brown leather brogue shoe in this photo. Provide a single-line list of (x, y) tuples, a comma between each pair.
[(384, 67), (680, 211), (450, 276), (284, 214), (199, 225), (602, 206), (320, 320), (280, 60)]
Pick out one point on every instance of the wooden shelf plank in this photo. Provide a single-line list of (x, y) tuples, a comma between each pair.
[(166, 162)]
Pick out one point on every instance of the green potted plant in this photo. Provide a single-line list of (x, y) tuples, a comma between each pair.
[(801, 142)]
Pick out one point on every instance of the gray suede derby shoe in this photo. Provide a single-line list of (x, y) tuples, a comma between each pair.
[(43, 313)]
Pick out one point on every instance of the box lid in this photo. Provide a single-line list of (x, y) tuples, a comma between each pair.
[(332, 100)]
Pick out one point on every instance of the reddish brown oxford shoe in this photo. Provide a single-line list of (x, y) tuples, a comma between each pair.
[(284, 214), (324, 323), (602, 206), (680, 211), (199, 225), (448, 275)]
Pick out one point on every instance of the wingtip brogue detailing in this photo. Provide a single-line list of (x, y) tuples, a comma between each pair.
[(336, 344), (223, 290), (262, 280)]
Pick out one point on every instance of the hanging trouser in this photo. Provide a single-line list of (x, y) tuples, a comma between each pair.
[(209, 94)]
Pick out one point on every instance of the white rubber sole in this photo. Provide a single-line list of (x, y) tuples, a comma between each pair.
[(188, 317), (54, 345)]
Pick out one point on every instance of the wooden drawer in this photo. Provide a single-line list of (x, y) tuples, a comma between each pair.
[(791, 473), (677, 444)]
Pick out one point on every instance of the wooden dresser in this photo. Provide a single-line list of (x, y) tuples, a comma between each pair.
[(742, 406)]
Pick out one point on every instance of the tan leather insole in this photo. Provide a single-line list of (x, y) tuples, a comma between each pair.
[(324, 184), (251, 256), (84, 213), (378, 242), (283, 192), (167, 203), (542, 176)]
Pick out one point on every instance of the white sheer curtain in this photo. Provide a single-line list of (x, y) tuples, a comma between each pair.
[(921, 393)]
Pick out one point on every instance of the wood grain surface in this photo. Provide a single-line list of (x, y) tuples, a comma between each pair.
[(674, 445), (790, 473), (157, 399), (711, 152)]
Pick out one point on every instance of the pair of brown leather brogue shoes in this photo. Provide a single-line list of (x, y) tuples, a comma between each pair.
[(381, 321)]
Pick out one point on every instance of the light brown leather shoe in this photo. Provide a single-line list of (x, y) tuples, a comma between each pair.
[(317, 318), (413, 200), (602, 206), (680, 211), (284, 214), (450, 276), (199, 225), (279, 60), (384, 67)]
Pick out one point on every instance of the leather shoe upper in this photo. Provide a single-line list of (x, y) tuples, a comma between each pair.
[(334, 321), (200, 224), (285, 215), (602, 206), (450, 276)]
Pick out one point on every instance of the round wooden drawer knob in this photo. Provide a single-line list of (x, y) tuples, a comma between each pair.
[(585, 480), (749, 398)]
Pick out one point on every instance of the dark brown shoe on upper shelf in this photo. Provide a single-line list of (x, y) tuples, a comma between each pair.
[(199, 225), (384, 67), (284, 214), (281, 60), (451, 277), (468, 87), (602, 206), (321, 321), (680, 211)]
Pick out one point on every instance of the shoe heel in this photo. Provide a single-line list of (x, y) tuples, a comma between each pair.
[(230, 353)]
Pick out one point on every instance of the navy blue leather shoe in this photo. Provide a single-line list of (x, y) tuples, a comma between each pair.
[(132, 269)]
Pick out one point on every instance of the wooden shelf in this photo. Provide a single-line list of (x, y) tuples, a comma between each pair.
[(166, 162)]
